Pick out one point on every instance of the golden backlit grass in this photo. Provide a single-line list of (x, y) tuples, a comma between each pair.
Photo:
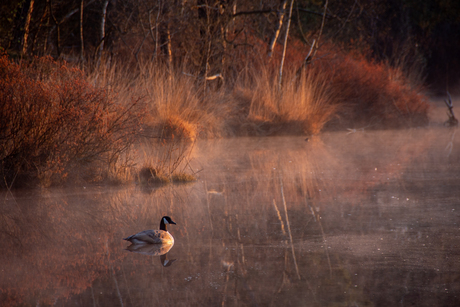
[(337, 91), (57, 119), (301, 105), (173, 101)]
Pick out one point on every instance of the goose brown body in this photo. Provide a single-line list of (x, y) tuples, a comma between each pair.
[(161, 236)]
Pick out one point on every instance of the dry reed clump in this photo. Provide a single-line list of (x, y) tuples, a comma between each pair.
[(301, 105), (338, 90), (150, 175), (53, 122), (183, 177), (176, 103), (165, 160), (177, 128), (174, 116)]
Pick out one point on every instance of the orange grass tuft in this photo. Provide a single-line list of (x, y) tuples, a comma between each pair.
[(302, 105)]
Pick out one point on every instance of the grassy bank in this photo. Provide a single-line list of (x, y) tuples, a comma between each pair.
[(60, 124)]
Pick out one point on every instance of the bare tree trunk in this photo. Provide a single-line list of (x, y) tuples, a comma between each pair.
[(82, 46), (102, 36), (315, 44), (206, 70), (285, 44), (27, 27), (169, 45), (322, 26), (224, 31), (57, 24), (281, 14), (44, 22), (154, 37), (58, 34), (224, 34), (165, 39)]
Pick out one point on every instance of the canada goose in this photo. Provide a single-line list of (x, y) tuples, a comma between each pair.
[(161, 236)]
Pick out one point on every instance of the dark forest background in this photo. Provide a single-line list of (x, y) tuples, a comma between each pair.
[(210, 36)]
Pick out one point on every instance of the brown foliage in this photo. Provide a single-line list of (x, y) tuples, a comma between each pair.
[(53, 121), (366, 93), (372, 94)]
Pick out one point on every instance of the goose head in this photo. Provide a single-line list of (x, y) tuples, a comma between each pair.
[(165, 220)]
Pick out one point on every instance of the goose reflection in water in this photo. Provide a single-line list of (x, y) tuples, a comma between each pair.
[(154, 250)]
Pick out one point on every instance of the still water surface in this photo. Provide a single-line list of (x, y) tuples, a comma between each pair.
[(368, 218)]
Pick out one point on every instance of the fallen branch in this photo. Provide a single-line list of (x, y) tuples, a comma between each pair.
[(452, 121), (315, 44)]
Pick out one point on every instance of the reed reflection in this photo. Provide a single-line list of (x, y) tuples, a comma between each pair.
[(270, 222)]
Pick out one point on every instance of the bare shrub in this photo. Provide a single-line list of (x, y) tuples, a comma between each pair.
[(53, 122), (371, 94)]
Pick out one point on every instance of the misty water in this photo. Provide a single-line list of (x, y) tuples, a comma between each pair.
[(351, 218)]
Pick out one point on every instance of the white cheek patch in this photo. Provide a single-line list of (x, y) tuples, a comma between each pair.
[(165, 221)]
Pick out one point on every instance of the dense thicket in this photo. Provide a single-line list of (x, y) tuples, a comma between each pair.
[(169, 72), (52, 122), (211, 36)]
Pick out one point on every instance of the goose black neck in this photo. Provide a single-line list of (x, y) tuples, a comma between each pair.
[(163, 225)]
